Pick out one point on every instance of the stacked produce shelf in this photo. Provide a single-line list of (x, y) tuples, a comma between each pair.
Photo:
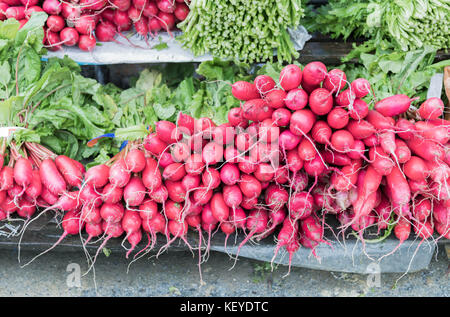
[(351, 256)]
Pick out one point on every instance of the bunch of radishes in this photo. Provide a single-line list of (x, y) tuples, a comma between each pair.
[(85, 22), (294, 153), (367, 165)]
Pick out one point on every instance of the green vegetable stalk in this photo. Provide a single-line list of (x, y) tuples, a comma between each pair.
[(244, 30)]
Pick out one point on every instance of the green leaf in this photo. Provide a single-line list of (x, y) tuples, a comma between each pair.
[(165, 111), (161, 46), (148, 79), (106, 251), (33, 28), (9, 28), (132, 133), (5, 76)]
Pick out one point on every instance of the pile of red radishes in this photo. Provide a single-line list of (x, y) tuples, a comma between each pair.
[(371, 168), (85, 22), (293, 154)]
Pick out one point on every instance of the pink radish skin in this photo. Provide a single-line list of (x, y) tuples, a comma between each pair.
[(342, 140), (181, 11), (134, 192), (345, 98), (190, 182), (336, 158), (379, 121), (119, 176), (302, 122), (290, 77), (159, 194), (89, 195), (90, 214), (359, 110), (151, 176), (55, 23), (416, 169), (202, 195), (357, 150), (71, 173), (321, 132), (186, 123), (337, 118), (219, 209), (176, 191), (306, 150), (167, 20), (69, 36), (431, 108), (173, 210), (244, 91), (402, 151), (276, 98), (112, 213), (236, 119), (422, 209), (361, 129), (314, 73), (167, 132), (232, 196), (174, 172), (296, 99), (165, 159), (381, 161), (372, 140), (405, 129), (441, 213), (300, 205), (281, 117), (293, 161), (312, 229), (85, 24), (393, 105), (52, 7), (360, 87), (264, 84), (229, 174), (250, 186), (34, 189), (212, 153), (256, 110), (135, 161), (315, 167), (223, 134), (276, 197), (428, 150), (194, 164), (232, 155), (320, 101), (87, 43), (335, 80), (105, 31), (256, 223), (154, 145), (23, 172), (51, 178), (288, 140)]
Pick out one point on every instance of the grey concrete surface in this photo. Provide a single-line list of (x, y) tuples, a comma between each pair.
[(176, 274)]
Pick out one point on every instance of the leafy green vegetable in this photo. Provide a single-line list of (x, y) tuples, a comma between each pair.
[(396, 72), (400, 24)]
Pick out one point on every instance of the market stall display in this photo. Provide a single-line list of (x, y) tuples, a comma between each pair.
[(290, 153)]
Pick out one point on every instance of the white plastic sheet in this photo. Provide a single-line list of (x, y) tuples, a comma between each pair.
[(122, 52)]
